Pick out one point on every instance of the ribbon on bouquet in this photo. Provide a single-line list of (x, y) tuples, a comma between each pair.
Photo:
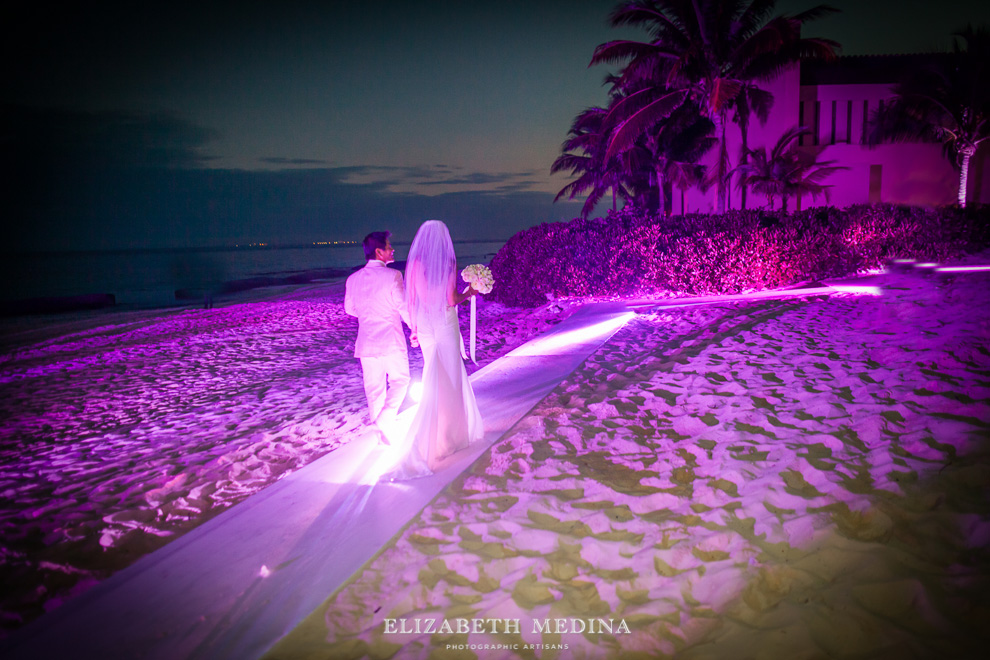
[(474, 328)]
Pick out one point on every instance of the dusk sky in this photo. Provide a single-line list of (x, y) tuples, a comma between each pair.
[(200, 124)]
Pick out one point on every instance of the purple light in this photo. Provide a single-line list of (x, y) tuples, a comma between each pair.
[(962, 269), (557, 342), (415, 390), (865, 290)]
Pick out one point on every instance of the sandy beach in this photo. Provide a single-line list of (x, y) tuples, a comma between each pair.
[(767, 478), (776, 479), (124, 430)]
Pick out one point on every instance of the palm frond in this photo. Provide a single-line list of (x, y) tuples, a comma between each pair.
[(634, 124), (619, 51)]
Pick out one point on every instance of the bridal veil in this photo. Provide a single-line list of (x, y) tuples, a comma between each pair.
[(447, 418)]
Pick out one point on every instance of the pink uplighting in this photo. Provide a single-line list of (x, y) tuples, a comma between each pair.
[(556, 341), (962, 269), (863, 289)]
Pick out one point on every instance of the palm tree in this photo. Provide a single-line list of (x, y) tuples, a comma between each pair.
[(751, 101), (704, 51), (786, 171), (806, 178), (676, 146), (643, 174), (947, 102), (584, 155)]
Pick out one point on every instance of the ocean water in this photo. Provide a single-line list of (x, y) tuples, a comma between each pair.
[(153, 276)]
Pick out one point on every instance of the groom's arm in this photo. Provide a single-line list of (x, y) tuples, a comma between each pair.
[(349, 300), (399, 299)]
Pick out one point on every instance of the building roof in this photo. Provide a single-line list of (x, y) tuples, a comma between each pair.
[(865, 69)]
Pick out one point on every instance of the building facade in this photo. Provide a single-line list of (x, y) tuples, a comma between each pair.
[(835, 100)]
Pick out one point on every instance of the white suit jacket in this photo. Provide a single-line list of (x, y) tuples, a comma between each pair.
[(376, 296)]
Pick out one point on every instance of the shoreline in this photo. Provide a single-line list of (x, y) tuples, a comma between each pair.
[(157, 299), (165, 277)]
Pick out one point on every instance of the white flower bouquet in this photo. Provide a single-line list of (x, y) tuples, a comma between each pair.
[(481, 280), (479, 277)]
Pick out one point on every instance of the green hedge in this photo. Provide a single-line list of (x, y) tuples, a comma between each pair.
[(628, 253)]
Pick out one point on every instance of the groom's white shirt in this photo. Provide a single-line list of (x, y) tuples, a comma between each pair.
[(376, 296)]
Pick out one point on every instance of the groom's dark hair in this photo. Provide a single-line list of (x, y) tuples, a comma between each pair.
[(376, 240)]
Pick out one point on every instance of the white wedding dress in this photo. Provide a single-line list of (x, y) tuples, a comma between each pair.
[(447, 419)]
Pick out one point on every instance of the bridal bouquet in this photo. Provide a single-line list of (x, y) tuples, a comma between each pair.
[(479, 277)]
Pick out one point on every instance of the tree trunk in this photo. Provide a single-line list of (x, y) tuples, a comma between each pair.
[(744, 158), (967, 153), (658, 188), (659, 185), (721, 163)]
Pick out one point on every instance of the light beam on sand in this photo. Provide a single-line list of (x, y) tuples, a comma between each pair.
[(866, 290), (375, 460), (389, 456), (367, 459), (962, 269), (555, 342)]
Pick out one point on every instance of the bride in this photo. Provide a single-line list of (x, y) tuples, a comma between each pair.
[(448, 418)]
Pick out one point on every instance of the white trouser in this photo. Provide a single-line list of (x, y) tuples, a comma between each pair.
[(386, 380)]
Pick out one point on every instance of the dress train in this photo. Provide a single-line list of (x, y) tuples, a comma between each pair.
[(447, 419)]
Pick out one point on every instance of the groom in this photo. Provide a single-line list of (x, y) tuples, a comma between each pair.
[(376, 296)]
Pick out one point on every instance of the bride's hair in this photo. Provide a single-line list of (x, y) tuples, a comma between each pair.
[(431, 269)]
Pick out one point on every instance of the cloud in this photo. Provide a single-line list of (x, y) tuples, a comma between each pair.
[(173, 207), (276, 160), (398, 179), (126, 180), (483, 178)]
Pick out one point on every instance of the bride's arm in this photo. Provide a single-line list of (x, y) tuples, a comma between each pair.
[(456, 297)]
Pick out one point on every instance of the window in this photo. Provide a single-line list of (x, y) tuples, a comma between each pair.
[(835, 105), (866, 120), (802, 120), (876, 176), (818, 122), (849, 122)]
